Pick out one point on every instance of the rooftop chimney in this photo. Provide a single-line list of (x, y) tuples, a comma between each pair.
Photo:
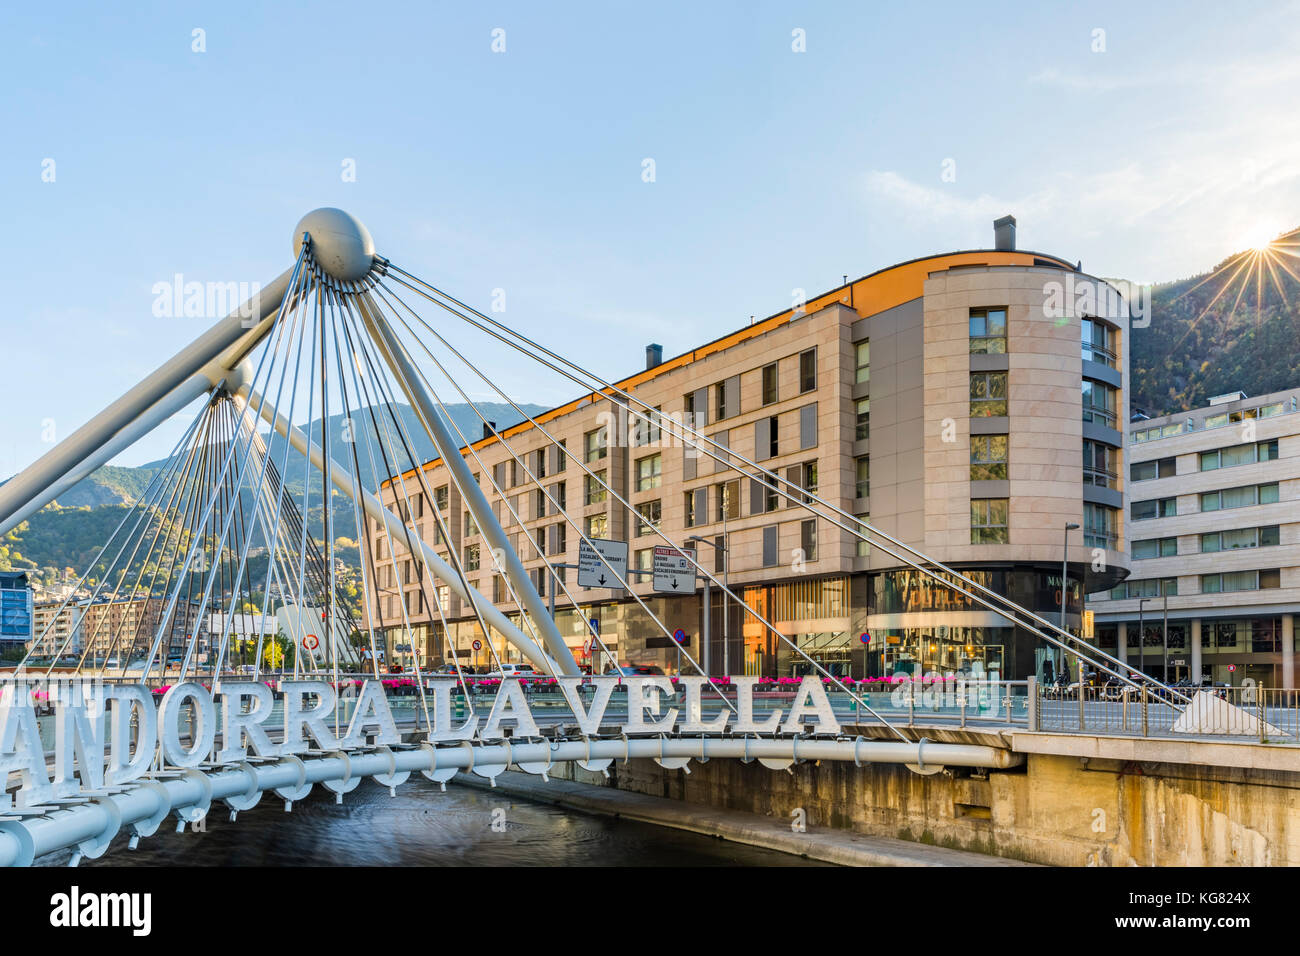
[(489, 428), (654, 355), (1004, 234)]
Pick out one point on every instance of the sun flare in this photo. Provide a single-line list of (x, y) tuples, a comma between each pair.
[(1258, 238)]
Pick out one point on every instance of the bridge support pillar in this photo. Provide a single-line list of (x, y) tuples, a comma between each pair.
[(1288, 651), (1195, 639), (1121, 641)]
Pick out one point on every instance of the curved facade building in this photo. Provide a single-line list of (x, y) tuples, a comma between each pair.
[(966, 402)]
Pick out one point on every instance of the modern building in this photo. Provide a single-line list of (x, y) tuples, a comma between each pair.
[(15, 610), (1215, 544), (966, 403), (109, 629), (54, 629)]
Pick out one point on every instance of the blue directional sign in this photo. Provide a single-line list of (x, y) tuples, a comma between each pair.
[(595, 624)]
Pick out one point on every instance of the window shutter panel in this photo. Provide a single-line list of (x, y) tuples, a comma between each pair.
[(733, 396), (808, 426), (762, 439), (690, 461), (769, 546), (701, 408), (794, 475), (755, 496)]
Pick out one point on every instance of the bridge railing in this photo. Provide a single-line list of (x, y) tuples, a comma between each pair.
[(921, 700), (907, 702), (1249, 713)]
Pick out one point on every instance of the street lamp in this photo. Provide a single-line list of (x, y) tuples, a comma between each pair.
[(708, 605), (1142, 638), (1142, 635), (1065, 554)]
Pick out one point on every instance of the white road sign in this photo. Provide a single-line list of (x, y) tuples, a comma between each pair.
[(595, 573), (673, 573)]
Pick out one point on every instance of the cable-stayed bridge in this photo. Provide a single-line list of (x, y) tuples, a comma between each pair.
[(153, 719)]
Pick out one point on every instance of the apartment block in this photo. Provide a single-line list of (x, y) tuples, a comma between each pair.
[(946, 400), (1215, 544)]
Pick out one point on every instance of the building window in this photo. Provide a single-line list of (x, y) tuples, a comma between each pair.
[(1238, 455), (863, 545), (1155, 548), (647, 430), (769, 384), (1239, 497), (809, 476), (988, 457), (988, 331), (471, 558), (1100, 465), (471, 527), (1159, 431), (696, 409), (597, 526), (726, 398), (645, 559), (593, 488), (1100, 403), (1147, 470), (1099, 525), (1148, 588), (561, 456), (769, 546), (862, 477), (863, 431), (807, 371), (1239, 538), (596, 445), (1240, 581), (862, 356), (1154, 508), (988, 521), (440, 498), (693, 517), (649, 472), (726, 497), (1098, 342), (808, 539), (557, 492), (988, 394), (652, 512)]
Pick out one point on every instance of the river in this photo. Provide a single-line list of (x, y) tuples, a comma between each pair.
[(423, 826)]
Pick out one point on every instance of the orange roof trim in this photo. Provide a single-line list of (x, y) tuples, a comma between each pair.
[(870, 295)]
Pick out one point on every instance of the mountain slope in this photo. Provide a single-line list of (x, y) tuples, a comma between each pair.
[(70, 531), (1236, 327)]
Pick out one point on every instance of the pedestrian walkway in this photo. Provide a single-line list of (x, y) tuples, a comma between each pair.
[(829, 845)]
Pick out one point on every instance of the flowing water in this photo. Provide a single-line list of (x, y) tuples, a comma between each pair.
[(423, 826)]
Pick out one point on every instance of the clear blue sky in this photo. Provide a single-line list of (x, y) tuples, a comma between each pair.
[(522, 170)]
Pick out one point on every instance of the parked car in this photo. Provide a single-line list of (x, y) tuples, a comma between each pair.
[(637, 670), (515, 670)]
